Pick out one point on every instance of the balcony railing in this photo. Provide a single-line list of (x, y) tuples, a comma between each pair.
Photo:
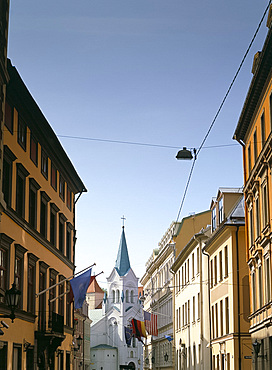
[(55, 322)]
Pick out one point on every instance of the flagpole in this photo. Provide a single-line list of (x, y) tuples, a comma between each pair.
[(62, 281), (68, 291)]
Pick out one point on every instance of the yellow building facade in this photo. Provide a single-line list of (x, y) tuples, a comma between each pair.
[(253, 132), (37, 235), (230, 343)]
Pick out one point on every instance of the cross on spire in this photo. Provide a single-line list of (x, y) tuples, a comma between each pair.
[(123, 218)]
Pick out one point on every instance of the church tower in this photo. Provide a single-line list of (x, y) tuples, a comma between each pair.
[(120, 305)]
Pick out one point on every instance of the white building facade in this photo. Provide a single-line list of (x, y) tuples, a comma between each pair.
[(191, 305), (157, 284), (119, 306)]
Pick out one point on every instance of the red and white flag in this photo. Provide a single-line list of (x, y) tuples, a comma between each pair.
[(151, 323)]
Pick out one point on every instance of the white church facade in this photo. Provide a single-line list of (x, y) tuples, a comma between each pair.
[(109, 350)]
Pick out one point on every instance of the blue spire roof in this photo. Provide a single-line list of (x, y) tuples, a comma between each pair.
[(122, 263)]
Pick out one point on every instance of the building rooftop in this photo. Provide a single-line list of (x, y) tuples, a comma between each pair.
[(122, 263)]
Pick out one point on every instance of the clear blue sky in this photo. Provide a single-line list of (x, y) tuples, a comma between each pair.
[(152, 71)]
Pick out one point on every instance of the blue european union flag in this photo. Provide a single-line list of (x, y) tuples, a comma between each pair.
[(79, 286)]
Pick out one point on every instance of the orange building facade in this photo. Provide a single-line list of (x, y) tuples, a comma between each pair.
[(37, 234), (254, 133)]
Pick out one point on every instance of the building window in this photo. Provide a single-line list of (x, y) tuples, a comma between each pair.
[(21, 175), (132, 296), (213, 322), (61, 187), (226, 261), (9, 117), (214, 219), (19, 270), (42, 297), (215, 270), (44, 164), (249, 159), (113, 296), (68, 241), (260, 281), (220, 266), (17, 357), (69, 198), (34, 150), (68, 306), (221, 211), (198, 306), (268, 279), (216, 320), (251, 227), (265, 204), (255, 147), (263, 128), (53, 291), (221, 318), (194, 309), (5, 243), (62, 220), (32, 214), (179, 318), (211, 272), (197, 259), (193, 266), (257, 216), (127, 296), (9, 157), (43, 214), (227, 314), (117, 296), (61, 299), (179, 280), (253, 281), (21, 133), (53, 223), (31, 282), (53, 176)]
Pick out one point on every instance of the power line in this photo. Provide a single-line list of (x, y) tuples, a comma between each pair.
[(219, 110), (137, 143)]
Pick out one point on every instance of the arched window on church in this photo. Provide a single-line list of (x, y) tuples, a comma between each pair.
[(131, 297), (113, 296), (117, 296), (127, 296), (131, 354)]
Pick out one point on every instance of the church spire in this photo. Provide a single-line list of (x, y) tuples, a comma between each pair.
[(122, 263)]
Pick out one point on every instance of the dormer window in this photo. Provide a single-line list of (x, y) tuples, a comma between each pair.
[(221, 210), (214, 219)]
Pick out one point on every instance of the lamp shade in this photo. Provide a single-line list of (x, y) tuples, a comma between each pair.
[(79, 340), (184, 154), (12, 297)]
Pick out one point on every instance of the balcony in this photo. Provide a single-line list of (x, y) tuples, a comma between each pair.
[(50, 335)]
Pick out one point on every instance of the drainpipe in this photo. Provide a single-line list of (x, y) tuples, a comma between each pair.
[(238, 300), (209, 297)]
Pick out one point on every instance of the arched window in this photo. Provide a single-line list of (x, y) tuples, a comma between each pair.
[(113, 296), (127, 296), (131, 297), (117, 296)]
